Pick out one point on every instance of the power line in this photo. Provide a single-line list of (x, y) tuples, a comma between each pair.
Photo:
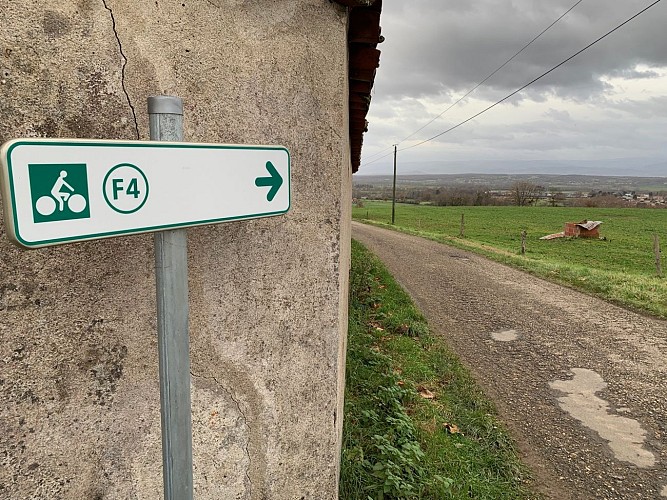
[(496, 70), (372, 157), (381, 157), (378, 153), (534, 80), (521, 88)]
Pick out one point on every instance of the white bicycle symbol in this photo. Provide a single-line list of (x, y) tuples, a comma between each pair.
[(46, 205)]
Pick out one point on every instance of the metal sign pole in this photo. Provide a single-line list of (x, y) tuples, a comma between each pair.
[(171, 272)]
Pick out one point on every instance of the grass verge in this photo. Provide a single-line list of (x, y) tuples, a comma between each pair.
[(416, 424)]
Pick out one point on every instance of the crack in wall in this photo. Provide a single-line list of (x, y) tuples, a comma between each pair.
[(246, 448), (122, 70), (247, 445)]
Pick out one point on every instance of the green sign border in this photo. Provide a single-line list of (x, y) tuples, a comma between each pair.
[(13, 229)]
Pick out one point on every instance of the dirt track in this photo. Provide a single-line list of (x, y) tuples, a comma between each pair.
[(580, 383)]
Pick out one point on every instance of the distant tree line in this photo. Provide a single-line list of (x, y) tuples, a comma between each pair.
[(441, 196), (520, 193), (464, 196)]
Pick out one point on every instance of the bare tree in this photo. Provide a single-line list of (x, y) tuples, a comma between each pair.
[(557, 198), (524, 193)]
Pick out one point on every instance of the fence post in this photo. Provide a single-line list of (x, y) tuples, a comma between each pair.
[(523, 242), (463, 226), (657, 251)]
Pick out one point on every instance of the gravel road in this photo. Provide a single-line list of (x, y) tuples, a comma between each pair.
[(581, 384)]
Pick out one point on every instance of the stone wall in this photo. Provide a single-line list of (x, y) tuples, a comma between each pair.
[(79, 412)]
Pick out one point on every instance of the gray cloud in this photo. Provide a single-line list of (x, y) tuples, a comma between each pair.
[(436, 47), (436, 50)]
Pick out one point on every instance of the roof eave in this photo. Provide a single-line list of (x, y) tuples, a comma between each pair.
[(364, 34)]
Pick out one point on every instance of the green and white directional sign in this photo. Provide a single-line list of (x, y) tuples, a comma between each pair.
[(60, 191)]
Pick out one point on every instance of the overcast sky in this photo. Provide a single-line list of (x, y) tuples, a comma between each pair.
[(608, 102)]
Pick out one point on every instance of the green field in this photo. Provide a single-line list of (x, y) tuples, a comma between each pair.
[(621, 267)]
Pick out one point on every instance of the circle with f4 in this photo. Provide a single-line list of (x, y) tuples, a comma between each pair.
[(125, 188)]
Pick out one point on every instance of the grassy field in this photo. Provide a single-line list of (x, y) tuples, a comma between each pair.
[(416, 425), (620, 268)]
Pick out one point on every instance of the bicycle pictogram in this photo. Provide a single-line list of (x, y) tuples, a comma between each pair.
[(46, 205), (59, 192)]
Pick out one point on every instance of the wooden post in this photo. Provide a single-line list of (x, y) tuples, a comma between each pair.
[(656, 250), (523, 242), (463, 226), (393, 193)]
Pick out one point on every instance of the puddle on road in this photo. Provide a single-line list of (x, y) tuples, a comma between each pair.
[(505, 335), (625, 435)]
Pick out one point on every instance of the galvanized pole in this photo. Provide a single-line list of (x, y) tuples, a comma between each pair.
[(165, 115), (393, 195)]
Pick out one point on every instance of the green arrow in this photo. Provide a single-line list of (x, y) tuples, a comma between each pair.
[(275, 181)]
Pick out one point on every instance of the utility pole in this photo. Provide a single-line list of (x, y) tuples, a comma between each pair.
[(393, 195)]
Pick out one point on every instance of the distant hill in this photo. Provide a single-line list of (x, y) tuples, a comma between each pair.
[(626, 167)]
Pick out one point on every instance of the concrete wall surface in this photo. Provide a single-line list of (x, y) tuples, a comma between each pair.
[(79, 410)]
